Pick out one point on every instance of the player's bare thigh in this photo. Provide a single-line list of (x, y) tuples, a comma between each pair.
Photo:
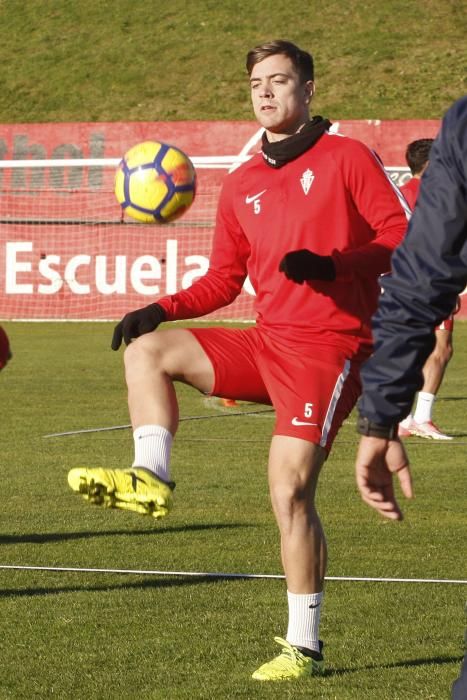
[(174, 352), (293, 468)]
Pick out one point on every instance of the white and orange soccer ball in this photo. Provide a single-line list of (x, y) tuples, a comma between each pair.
[(155, 182)]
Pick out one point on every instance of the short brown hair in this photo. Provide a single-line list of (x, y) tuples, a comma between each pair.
[(302, 60), (417, 154)]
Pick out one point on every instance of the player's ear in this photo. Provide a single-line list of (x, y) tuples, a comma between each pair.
[(309, 91)]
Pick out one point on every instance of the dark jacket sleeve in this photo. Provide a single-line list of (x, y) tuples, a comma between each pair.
[(429, 270)]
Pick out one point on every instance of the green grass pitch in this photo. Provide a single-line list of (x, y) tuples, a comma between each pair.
[(92, 635), (83, 636)]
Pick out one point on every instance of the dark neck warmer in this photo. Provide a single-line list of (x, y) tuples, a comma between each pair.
[(278, 153)]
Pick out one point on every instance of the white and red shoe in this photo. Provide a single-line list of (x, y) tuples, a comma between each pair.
[(402, 431), (404, 426), (428, 429)]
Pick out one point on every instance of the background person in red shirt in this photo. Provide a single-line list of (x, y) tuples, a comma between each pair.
[(420, 423), (313, 220)]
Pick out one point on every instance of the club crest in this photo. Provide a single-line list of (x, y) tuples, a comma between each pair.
[(307, 180)]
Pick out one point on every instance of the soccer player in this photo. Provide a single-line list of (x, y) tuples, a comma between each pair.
[(421, 422), (5, 350), (429, 271), (313, 220)]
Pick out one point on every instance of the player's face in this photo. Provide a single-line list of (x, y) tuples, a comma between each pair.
[(280, 100)]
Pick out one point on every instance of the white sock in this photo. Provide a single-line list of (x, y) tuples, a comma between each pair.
[(153, 445), (424, 409), (304, 614)]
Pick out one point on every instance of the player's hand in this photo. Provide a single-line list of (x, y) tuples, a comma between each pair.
[(302, 265), (137, 323), (377, 461)]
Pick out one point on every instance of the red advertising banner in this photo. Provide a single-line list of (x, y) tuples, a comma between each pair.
[(205, 138), (66, 252)]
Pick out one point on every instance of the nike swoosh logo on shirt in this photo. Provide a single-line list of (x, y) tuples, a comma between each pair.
[(296, 421), (251, 198)]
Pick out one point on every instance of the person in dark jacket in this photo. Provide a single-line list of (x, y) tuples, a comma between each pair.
[(420, 422), (429, 270)]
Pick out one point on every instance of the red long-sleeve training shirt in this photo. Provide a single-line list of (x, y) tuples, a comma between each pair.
[(410, 191), (335, 199)]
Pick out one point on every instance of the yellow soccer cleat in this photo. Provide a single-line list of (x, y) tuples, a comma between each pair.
[(291, 663), (135, 489)]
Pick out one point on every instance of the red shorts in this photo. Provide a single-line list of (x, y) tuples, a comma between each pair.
[(312, 389)]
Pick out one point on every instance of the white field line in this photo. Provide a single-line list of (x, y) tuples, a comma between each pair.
[(218, 575), (227, 414)]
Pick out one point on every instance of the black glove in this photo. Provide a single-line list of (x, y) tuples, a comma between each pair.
[(302, 265), (137, 323)]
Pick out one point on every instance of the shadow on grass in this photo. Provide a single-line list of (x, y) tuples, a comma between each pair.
[(43, 538), (154, 583), (435, 660)]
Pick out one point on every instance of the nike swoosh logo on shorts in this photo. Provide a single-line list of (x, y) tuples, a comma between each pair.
[(251, 198), (297, 421)]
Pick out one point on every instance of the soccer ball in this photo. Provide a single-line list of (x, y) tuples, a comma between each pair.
[(155, 182)]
